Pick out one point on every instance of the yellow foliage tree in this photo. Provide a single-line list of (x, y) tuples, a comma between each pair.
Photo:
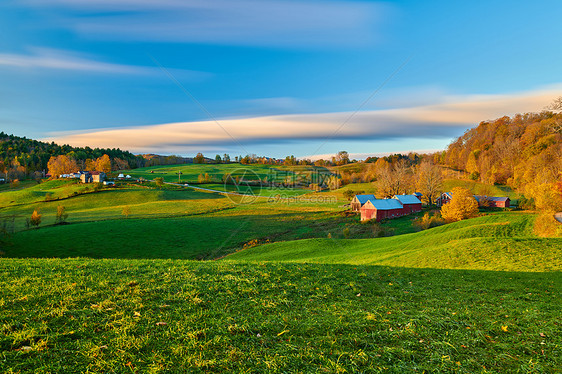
[(61, 165), (35, 218), (463, 205), (103, 164)]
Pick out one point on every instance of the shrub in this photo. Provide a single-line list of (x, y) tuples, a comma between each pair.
[(126, 211), (35, 219), (159, 182), (429, 221), (61, 216)]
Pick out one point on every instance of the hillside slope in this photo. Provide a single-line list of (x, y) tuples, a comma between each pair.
[(501, 241)]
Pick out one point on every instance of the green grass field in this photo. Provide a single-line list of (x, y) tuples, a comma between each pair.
[(191, 172), (105, 293), (502, 241), (81, 315)]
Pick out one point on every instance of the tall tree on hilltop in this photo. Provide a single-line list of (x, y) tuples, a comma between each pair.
[(429, 181)]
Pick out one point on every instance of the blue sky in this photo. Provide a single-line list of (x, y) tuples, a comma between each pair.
[(273, 78)]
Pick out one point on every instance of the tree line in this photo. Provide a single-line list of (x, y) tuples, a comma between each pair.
[(26, 158), (523, 152)]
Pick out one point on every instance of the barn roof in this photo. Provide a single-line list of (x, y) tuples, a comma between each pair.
[(407, 199), (492, 198), (364, 198), (385, 204)]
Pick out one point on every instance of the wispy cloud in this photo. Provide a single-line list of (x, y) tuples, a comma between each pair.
[(241, 22), (443, 120), (46, 58), (39, 58)]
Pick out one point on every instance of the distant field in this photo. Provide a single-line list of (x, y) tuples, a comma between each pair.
[(80, 315), (191, 172), (503, 241)]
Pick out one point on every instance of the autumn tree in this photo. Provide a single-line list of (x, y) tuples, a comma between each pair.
[(463, 205), (120, 164), (199, 159), (342, 158), (159, 182), (429, 181), (61, 165), (126, 211), (103, 164), (394, 179), (35, 218)]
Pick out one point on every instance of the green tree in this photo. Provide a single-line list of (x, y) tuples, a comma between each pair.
[(218, 159), (463, 205), (61, 216)]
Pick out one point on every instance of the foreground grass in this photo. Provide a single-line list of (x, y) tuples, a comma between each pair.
[(79, 315)]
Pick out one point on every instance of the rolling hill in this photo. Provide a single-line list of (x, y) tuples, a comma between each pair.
[(502, 241)]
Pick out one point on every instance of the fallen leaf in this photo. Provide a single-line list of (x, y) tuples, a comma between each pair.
[(137, 314), (504, 328), (161, 323), (543, 335)]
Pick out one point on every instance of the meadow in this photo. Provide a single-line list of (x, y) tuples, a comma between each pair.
[(189, 280), (84, 315)]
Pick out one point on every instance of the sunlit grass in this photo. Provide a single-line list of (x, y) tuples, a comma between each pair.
[(81, 315)]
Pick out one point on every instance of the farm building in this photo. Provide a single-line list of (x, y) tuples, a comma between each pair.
[(444, 198), (490, 201), (92, 177), (360, 200), (381, 209), (410, 203)]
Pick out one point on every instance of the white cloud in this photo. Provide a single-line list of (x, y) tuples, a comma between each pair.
[(437, 121), (46, 58), (243, 22)]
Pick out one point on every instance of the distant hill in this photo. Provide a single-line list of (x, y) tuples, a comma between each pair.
[(510, 150), (21, 157)]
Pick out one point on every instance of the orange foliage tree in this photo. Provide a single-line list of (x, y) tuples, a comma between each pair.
[(462, 205), (61, 165)]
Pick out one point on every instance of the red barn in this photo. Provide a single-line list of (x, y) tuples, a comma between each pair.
[(410, 203), (497, 202), (444, 198), (381, 209)]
